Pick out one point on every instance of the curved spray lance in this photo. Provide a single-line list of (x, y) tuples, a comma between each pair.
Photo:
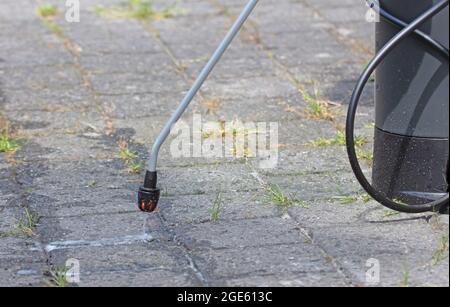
[(149, 194)]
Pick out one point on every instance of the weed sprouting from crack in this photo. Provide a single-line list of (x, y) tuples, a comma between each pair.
[(138, 9), (365, 155), (47, 10), (28, 223), (47, 13), (390, 213), (52, 26), (278, 197), (216, 208), (440, 253), (405, 275), (124, 152), (350, 199), (129, 157), (25, 225), (7, 143), (317, 107), (56, 277), (338, 139), (92, 184)]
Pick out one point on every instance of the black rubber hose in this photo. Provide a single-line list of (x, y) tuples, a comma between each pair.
[(402, 24), (379, 57)]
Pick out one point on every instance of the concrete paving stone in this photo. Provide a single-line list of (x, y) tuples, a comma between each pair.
[(296, 259), (389, 244), (145, 107), (268, 87), (25, 275), (43, 123), (19, 251), (195, 209), (238, 62), (147, 127), (207, 179), (240, 234), (40, 77), (344, 9), (66, 202), (192, 40), (27, 57), (147, 64), (259, 109), (32, 47), (110, 259), (195, 8), (48, 100), (77, 175), (290, 280), (10, 215), (333, 212), (66, 148), (93, 228), (108, 37), (142, 278), (7, 189), (131, 84), (309, 187), (16, 11)]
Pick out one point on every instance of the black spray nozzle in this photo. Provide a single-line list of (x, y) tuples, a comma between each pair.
[(148, 195)]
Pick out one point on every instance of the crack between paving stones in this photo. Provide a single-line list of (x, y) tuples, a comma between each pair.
[(192, 266)]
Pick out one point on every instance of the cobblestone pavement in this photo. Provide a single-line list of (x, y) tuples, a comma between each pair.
[(75, 96)]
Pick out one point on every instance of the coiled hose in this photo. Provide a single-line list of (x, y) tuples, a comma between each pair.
[(407, 30)]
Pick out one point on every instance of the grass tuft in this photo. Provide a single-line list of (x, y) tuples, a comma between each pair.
[(139, 9), (52, 26), (27, 224), (440, 253), (57, 277), (317, 107), (124, 152), (216, 208), (129, 157), (338, 139), (275, 195), (350, 199), (404, 283), (47, 10), (134, 167), (364, 155), (7, 143), (390, 213)]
